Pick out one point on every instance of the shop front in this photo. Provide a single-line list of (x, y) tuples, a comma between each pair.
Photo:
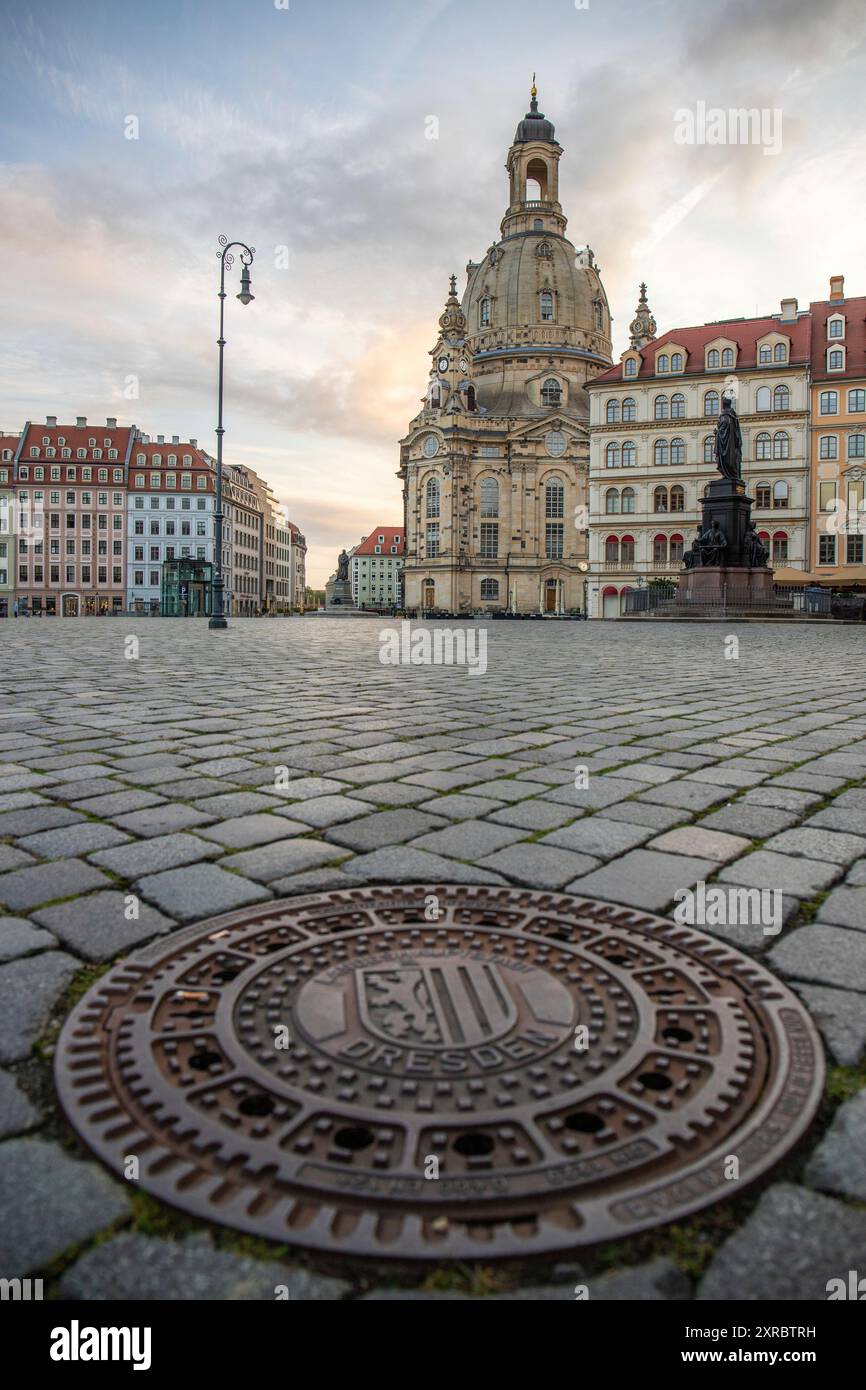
[(187, 589)]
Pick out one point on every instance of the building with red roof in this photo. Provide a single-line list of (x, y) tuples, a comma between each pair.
[(376, 568)]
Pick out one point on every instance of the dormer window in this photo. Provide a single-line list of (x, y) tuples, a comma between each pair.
[(46, 439), (836, 360), (630, 367), (544, 248), (836, 327), (91, 443), (676, 362), (765, 354), (727, 357), (713, 359), (780, 353)]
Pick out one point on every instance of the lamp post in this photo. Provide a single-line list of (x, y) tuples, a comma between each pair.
[(227, 260)]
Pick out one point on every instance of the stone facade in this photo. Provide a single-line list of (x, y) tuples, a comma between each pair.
[(494, 466), (839, 437)]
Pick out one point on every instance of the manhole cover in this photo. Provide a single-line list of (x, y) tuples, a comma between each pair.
[(573, 1071)]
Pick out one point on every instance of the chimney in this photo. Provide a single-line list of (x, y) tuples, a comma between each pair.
[(175, 439), (194, 443), (81, 422), (51, 420), (789, 311), (837, 288), (160, 439), (111, 422)]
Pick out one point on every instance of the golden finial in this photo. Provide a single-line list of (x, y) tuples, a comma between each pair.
[(534, 92)]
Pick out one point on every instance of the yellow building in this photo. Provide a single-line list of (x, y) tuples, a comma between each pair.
[(495, 464), (838, 437)]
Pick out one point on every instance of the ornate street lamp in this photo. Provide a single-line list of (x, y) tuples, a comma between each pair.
[(227, 260)]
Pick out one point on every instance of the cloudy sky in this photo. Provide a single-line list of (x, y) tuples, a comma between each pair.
[(300, 127)]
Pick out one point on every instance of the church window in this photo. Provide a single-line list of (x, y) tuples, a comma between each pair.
[(599, 314), (612, 415), (470, 398), (484, 313), (432, 497), (547, 306), (489, 497), (551, 392), (538, 226), (490, 588), (489, 548), (554, 498), (432, 539), (544, 248), (629, 411), (553, 539)]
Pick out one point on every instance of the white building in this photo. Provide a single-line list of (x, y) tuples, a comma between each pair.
[(170, 516)]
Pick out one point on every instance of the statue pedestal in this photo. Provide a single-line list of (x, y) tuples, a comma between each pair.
[(723, 586), (338, 594), (726, 502)]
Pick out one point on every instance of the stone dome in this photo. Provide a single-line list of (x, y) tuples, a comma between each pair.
[(513, 280), (534, 126)]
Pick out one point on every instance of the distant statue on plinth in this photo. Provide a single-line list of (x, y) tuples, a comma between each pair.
[(729, 443), (713, 542), (342, 567), (692, 557)]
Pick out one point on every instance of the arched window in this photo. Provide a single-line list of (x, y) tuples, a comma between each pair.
[(762, 495), (630, 368), (629, 409), (676, 550), (660, 499), (612, 411), (490, 588), (611, 455), (664, 362), (626, 550), (711, 403), (599, 314), (484, 313), (489, 492), (709, 448), (627, 500), (432, 497), (554, 498), (678, 406), (781, 398), (551, 392), (727, 357), (470, 398), (628, 454), (856, 446), (713, 358), (780, 353), (678, 452), (660, 551), (781, 445), (762, 446), (677, 362), (661, 453), (828, 447), (538, 226), (763, 399), (611, 501), (765, 354), (661, 408), (546, 306), (435, 395), (780, 494), (678, 498), (611, 550), (780, 547)]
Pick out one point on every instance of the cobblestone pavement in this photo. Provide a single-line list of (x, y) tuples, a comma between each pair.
[(157, 776)]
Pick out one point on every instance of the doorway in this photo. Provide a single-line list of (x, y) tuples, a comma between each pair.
[(71, 605), (428, 593), (550, 592)]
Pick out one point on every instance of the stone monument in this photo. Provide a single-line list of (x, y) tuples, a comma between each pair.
[(338, 590), (727, 561)]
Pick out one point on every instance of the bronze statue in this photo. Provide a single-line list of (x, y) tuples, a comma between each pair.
[(342, 567), (692, 558), (757, 554), (713, 542), (729, 443)]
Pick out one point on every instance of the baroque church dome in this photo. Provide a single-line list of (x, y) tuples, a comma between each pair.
[(534, 297)]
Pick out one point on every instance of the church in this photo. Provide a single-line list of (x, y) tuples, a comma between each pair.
[(495, 465)]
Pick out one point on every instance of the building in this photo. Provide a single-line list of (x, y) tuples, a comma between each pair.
[(71, 484), (376, 568), (652, 425), (298, 567), (282, 543), (243, 538), (170, 519), (495, 464), (8, 449), (838, 437)]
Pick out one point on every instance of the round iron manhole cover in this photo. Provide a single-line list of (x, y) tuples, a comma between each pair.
[(522, 1074)]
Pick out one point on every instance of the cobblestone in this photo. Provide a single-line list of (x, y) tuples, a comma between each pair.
[(97, 926)]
